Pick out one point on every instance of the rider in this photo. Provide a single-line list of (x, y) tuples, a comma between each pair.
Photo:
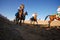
[(19, 14), (34, 16), (21, 10), (58, 12)]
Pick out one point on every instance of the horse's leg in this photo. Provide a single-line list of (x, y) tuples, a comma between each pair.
[(51, 19), (17, 20), (49, 23), (30, 22), (33, 22), (20, 22), (23, 21), (36, 22)]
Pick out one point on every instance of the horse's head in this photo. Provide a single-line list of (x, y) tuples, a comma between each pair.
[(26, 13)]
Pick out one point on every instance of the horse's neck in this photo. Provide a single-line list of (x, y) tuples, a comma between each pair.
[(35, 17), (21, 12)]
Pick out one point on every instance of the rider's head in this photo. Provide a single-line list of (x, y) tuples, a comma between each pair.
[(35, 14), (22, 6)]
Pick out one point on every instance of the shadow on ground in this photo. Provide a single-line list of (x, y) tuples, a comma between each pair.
[(11, 31)]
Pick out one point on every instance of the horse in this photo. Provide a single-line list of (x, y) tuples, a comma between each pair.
[(33, 20), (23, 17), (17, 19), (52, 17)]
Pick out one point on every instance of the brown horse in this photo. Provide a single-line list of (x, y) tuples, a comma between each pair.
[(52, 17)]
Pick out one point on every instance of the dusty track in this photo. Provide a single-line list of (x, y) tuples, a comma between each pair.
[(11, 31)]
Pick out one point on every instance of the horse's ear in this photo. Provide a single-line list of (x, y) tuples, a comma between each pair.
[(26, 13)]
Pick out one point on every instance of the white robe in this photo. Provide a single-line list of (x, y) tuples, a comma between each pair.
[(34, 15), (58, 11)]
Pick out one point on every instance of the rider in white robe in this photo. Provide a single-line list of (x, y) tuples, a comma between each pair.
[(34, 15), (58, 12)]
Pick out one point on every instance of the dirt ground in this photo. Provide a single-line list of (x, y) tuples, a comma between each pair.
[(11, 31)]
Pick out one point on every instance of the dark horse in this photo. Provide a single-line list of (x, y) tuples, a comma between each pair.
[(17, 19), (33, 20), (52, 17)]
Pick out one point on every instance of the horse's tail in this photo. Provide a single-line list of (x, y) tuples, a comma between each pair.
[(46, 17)]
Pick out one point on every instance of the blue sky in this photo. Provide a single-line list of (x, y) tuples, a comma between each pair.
[(43, 8)]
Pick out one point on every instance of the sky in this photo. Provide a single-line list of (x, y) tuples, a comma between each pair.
[(8, 8)]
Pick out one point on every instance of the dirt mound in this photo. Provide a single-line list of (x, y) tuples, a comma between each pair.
[(11, 31), (8, 30), (36, 32)]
